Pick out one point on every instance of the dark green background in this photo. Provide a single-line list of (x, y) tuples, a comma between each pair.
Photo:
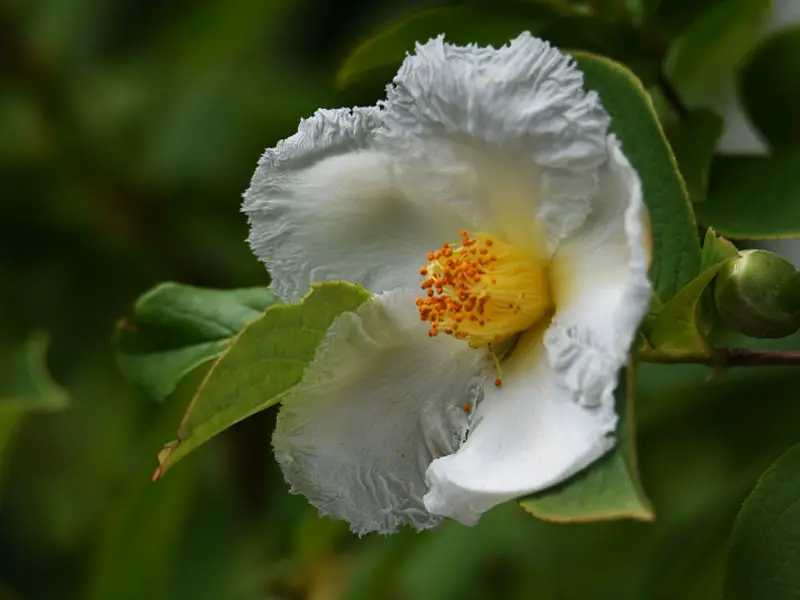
[(128, 131)]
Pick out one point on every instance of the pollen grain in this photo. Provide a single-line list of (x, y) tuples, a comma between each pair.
[(464, 300)]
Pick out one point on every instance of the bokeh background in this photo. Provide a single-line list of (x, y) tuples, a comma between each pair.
[(128, 131)]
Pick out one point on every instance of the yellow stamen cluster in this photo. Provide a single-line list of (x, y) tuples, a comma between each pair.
[(483, 291)]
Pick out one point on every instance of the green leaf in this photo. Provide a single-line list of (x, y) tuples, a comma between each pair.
[(769, 87), (716, 249), (754, 197), (461, 24), (495, 25), (175, 328), (263, 362), (139, 541), (710, 49), (607, 490), (26, 387), (693, 141), (671, 17), (613, 39), (25, 381), (676, 251), (138, 548), (678, 329), (764, 551)]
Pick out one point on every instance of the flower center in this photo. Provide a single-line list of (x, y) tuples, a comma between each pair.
[(483, 291)]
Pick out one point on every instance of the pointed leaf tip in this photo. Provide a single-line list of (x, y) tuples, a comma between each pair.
[(263, 362)]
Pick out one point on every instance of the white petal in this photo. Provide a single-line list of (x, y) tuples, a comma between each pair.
[(555, 413), (325, 205), (515, 119), (526, 436), (380, 401), (602, 290)]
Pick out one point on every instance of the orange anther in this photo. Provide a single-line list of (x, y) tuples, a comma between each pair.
[(459, 282)]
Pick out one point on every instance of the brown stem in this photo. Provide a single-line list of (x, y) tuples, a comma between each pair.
[(731, 357), (743, 357)]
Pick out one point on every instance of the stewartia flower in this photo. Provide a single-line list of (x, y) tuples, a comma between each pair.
[(502, 232)]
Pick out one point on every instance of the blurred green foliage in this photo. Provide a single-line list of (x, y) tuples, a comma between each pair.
[(128, 131), (763, 552)]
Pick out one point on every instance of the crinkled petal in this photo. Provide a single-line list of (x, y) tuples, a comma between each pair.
[(602, 290), (325, 204), (380, 401), (526, 436), (509, 135)]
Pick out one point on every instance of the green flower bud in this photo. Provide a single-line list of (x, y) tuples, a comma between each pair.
[(758, 294)]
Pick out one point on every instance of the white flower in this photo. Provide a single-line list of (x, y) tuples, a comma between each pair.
[(487, 175)]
